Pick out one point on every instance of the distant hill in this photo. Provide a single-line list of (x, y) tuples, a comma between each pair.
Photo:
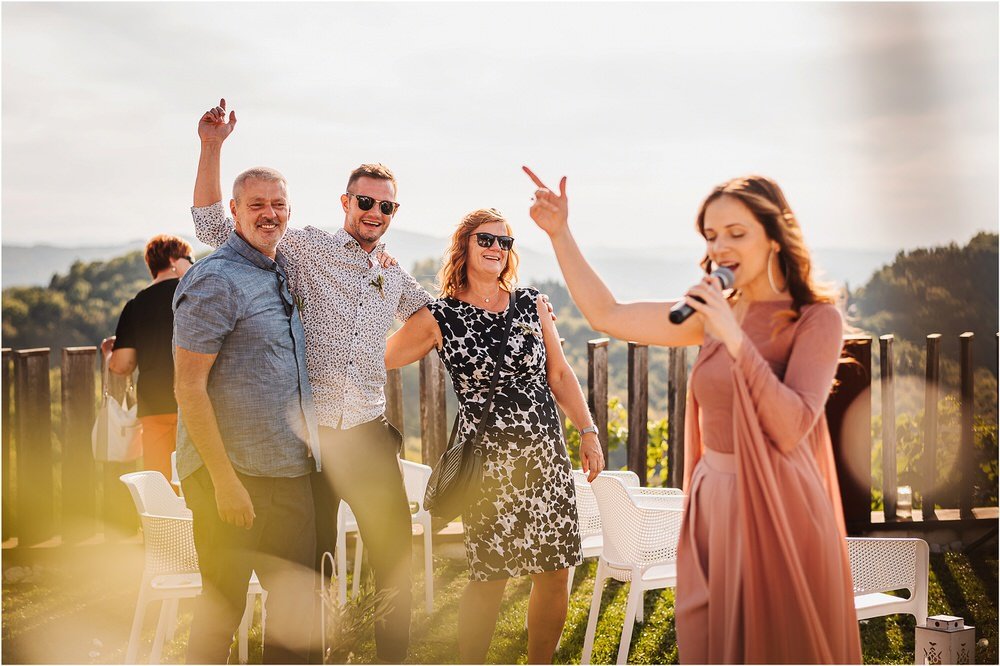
[(647, 272), (34, 265)]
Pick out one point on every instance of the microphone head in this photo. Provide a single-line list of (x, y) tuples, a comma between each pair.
[(726, 276)]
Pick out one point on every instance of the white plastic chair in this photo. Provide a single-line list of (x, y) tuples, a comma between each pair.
[(640, 548), (415, 478), (590, 518), (879, 566), (171, 564)]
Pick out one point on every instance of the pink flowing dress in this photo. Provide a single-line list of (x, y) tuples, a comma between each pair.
[(762, 569)]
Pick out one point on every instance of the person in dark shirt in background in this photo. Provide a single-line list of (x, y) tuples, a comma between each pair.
[(143, 338)]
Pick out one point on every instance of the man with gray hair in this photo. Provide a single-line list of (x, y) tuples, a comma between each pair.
[(348, 300), (247, 441)]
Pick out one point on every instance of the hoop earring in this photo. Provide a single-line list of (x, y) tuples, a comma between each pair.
[(770, 277)]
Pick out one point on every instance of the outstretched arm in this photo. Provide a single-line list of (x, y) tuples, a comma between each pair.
[(213, 129), (413, 340), (646, 322)]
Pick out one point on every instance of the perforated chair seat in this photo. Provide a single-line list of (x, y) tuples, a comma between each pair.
[(878, 604)]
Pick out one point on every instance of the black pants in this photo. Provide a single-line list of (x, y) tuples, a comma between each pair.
[(360, 467), (280, 547)]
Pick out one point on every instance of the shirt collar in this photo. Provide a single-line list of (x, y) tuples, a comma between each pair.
[(344, 239), (236, 243)]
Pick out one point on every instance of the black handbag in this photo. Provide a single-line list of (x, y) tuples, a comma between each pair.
[(458, 475)]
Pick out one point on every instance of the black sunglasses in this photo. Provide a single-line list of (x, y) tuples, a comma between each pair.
[(366, 203), (189, 258), (486, 240)]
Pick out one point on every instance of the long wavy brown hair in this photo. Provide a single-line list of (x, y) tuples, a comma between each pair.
[(768, 205), (453, 278)]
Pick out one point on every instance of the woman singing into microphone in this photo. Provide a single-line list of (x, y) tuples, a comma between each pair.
[(762, 568)]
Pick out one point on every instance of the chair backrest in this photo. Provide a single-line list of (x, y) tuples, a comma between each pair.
[(167, 533), (882, 565), (586, 504), (169, 545), (634, 534), (415, 478), (152, 494)]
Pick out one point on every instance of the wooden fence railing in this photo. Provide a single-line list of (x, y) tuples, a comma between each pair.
[(91, 494)]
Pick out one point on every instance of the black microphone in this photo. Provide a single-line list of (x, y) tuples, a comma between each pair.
[(681, 311)]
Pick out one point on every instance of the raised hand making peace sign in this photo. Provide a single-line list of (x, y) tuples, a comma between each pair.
[(213, 126), (550, 210)]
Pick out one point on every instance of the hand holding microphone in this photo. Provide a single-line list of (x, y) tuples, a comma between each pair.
[(682, 311)]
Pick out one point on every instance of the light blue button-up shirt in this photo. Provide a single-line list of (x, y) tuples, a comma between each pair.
[(236, 303)]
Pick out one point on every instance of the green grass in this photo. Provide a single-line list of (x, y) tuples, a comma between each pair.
[(35, 616)]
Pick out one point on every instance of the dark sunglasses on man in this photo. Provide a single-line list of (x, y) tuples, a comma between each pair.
[(486, 240), (366, 203)]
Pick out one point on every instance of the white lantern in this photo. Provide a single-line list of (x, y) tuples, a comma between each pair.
[(945, 639)]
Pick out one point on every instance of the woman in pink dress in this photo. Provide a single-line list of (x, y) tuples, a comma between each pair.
[(762, 568)]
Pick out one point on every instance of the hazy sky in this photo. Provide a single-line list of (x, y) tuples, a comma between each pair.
[(879, 120)]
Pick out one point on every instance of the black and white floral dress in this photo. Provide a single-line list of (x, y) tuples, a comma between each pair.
[(525, 519)]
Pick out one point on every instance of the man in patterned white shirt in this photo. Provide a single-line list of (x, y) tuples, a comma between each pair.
[(348, 301)]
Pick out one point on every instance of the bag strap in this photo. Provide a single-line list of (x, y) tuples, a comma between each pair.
[(499, 357), (106, 382)]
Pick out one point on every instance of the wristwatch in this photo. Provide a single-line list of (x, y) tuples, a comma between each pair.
[(590, 428)]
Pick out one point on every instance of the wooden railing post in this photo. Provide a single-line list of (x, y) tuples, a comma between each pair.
[(433, 429), (931, 425), (966, 452), (35, 500), (597, 388), (78, 412), (8, 496), (676, 410), (638, 409), (889, 498), (394, 398), (849, 413)]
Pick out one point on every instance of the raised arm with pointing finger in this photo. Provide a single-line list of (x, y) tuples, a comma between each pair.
[(646, 322)]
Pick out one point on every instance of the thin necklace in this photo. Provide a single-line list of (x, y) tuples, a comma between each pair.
[(487, 299)]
